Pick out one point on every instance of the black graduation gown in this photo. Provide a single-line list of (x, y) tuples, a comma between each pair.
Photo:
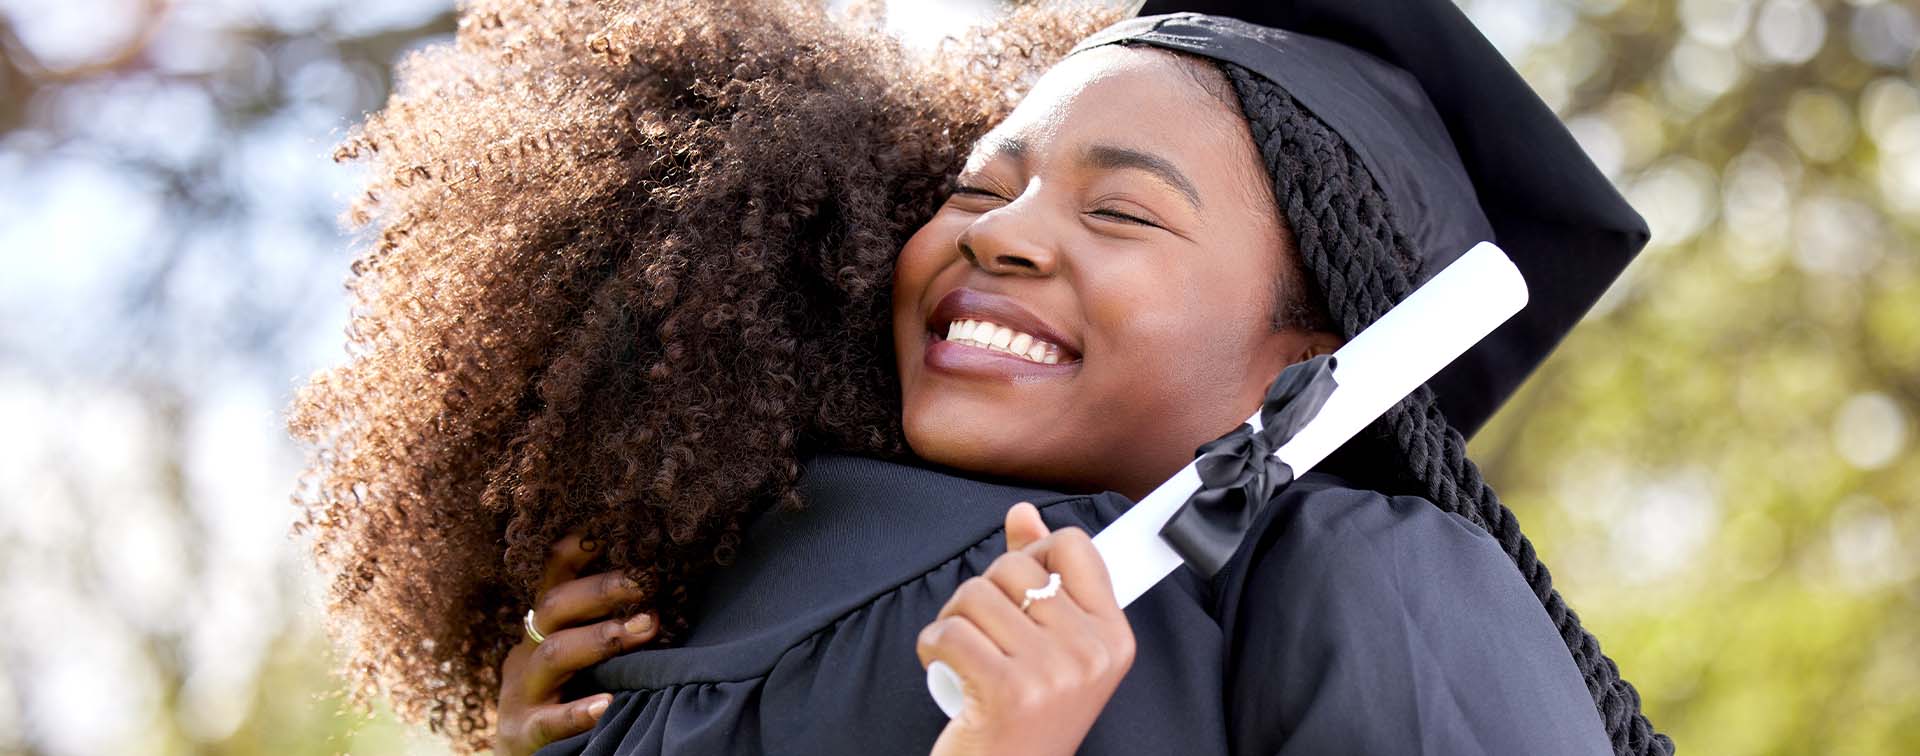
[(1350, 622)]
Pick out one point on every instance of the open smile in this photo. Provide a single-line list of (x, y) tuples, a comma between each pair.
[(975, 332), (981, 334)]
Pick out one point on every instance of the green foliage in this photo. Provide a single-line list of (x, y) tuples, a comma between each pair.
[(1718, 464)]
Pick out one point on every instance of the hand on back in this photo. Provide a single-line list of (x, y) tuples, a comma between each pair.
[(576, 616)]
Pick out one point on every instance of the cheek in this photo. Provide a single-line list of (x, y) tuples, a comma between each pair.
[(929, 251), (921, 260), (1184, 341), (1175, 317)]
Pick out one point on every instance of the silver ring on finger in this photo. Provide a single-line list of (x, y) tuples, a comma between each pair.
[(533, 631), (1050, 590)]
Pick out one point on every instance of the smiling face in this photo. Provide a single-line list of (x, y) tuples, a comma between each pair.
[(1096, 299)]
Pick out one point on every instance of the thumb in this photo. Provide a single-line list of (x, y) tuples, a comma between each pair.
[(1024, 526)]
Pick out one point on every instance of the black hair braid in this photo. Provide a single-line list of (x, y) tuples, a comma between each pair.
[(1348, 246)]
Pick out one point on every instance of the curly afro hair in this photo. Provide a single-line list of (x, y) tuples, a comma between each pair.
[(627, 266)]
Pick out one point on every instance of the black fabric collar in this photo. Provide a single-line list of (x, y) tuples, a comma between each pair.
[(869, 527)]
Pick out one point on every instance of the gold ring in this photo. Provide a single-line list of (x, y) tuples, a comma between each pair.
[(533, 633)]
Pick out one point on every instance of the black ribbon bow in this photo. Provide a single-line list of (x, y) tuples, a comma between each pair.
[(1238, 472)]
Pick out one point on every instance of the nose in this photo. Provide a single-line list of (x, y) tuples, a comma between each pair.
[(1010, 240)]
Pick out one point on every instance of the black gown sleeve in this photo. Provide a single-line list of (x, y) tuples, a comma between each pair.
[(1362, 623)]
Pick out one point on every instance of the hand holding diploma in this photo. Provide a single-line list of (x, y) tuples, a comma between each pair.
[(1039, 640)]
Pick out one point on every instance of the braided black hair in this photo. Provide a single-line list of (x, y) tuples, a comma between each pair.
[(1351, 252)]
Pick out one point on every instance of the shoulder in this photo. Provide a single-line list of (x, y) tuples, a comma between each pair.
[(1326, 528), (872, 533), (1373, 560), (1390, 606)]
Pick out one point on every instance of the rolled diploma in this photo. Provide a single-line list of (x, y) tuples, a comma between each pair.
[(1447, 315)]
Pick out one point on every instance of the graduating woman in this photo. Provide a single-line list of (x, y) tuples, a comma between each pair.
[(633, 281)]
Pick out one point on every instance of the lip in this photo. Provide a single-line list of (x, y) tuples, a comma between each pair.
[(973, 304)]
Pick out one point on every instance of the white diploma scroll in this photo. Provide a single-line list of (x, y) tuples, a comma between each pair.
[(1436, 324)]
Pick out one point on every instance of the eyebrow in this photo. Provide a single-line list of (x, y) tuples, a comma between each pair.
[(1105, 157), (999, 146), (1111, 157)]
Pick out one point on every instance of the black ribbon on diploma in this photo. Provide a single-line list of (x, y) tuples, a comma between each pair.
[(1238, 472)]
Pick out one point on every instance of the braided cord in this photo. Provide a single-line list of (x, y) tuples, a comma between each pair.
[(1348, 245)]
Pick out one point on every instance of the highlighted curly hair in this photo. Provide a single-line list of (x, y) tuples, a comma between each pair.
[(627, 267)]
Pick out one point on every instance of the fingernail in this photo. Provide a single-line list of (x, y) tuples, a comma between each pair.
[(597, 708), (640, 624), (630, 583)]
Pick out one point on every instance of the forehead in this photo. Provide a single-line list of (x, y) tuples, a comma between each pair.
[(1133, 97)]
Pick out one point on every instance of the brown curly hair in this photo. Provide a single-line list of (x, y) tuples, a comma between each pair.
[(628, 266)]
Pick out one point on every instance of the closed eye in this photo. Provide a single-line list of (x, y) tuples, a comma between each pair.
[(1125, 218), (955, 186)]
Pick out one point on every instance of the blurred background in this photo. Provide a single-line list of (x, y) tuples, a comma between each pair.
[(1718, 465)]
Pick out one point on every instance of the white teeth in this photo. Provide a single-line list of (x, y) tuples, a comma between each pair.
[(999, 338)]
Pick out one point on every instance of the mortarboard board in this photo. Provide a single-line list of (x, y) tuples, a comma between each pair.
[(1462, 148)]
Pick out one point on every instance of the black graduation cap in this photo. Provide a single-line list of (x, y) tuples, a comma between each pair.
[(1460, 145)]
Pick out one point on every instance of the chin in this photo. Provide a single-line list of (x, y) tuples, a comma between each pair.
[(952, 440), (975, 446)]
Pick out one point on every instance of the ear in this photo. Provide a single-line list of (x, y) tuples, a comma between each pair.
[(1285, 347), (1316, 343)]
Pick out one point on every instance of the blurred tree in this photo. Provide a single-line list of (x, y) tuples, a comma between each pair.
[(1718, 463), (167, 215)]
